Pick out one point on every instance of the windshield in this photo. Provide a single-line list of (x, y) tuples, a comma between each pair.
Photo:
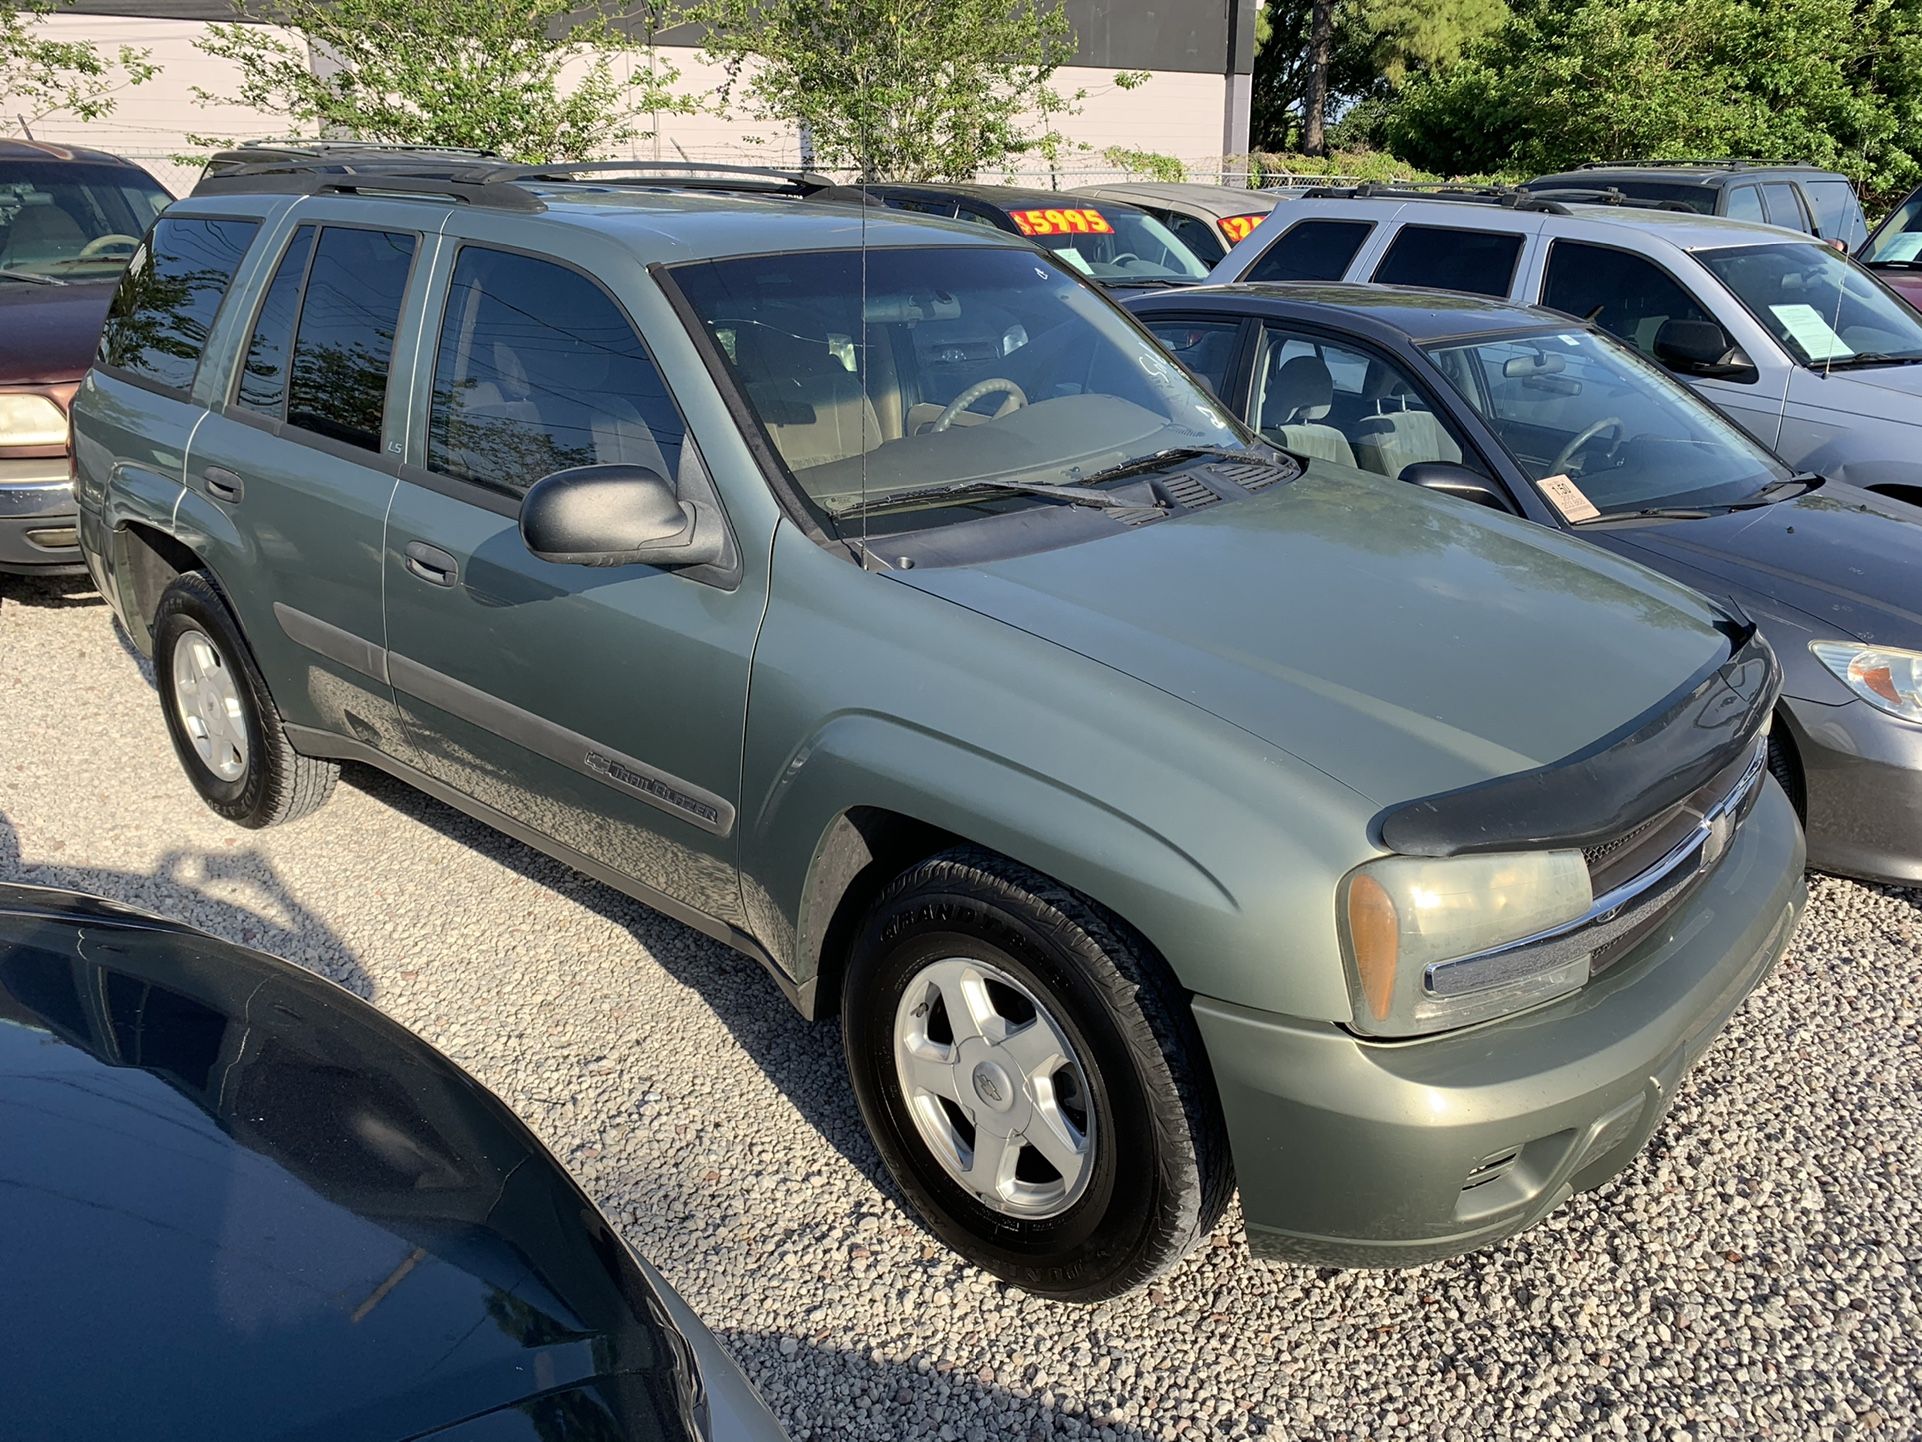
[(1821, 307), (1110, 243), (1899, 241), (965, 364), (73, 222), (1578, 405)]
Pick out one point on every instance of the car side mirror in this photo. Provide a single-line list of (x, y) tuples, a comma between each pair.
[(1701, 348), (1454, 480), (615, 516)]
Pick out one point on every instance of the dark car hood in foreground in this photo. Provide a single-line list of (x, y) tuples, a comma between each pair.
[(1404, 643), (48, 332), (1846, 562), (239, 1203)]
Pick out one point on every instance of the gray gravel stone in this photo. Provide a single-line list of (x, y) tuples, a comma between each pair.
[(1749, 1276)]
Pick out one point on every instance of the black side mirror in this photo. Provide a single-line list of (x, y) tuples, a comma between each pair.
[(615, 516), (1700, 348), (1455, 480)]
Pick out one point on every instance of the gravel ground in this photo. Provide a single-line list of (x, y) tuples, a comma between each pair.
[(1754, 1274)]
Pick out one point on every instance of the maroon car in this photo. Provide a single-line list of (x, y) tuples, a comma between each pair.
[(1894, 251), (70, 220)]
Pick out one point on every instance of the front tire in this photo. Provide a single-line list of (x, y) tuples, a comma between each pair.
[(1033, 1078), (225, 728)]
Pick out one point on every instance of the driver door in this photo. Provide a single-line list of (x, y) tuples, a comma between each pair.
[(600, 709)]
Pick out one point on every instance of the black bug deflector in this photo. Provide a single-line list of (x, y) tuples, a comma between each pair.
[(1628, 776)]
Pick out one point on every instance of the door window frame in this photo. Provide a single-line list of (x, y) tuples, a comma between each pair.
[(1692, 292), (386, 459), (724, 574)]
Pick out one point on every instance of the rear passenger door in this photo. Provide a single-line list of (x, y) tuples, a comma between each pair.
[(598, 708), (295, 462)]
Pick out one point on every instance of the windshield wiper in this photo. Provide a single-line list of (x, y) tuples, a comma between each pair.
[(1802, 481), (31, 277), (1174, 455), (1075, 495), (1651, 513), (1868, 358)]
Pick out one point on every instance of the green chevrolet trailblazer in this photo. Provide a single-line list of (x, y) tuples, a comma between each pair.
[(871, 594)]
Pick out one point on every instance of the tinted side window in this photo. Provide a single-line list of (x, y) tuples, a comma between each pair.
[(1744, 203), (1312, 250), (263, 376), (1628, 296), (164, 310), (1481, 262), (1783, 206), (539, 370), (346, 334), (1197, 234), (1838, 214), (1206, 347)]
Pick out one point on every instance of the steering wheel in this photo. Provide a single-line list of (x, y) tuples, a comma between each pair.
[(103, 243), (1016, 398), (1575, 446)]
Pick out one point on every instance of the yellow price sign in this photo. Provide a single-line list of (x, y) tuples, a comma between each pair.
[(1064, 221), (1239, 227)]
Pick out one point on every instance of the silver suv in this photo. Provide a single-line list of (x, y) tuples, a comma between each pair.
[(1808, 351)]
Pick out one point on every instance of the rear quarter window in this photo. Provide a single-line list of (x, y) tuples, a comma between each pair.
[(1481, 262), (164, 310)]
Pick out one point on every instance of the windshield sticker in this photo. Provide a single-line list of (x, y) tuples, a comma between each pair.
[(1566, 497), (1809, 330), (1240, 227), (1061, 222), (1076, 259), (1901, 247)]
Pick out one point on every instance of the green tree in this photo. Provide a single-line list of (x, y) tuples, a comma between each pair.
[(42, 76), (901, 89), (1836, 82), (487, 74)]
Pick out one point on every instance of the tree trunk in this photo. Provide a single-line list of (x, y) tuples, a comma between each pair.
[(1314, 96)]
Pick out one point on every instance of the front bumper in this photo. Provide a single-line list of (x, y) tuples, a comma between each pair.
[(38, 521), (1862, 772), (1357, 1153)]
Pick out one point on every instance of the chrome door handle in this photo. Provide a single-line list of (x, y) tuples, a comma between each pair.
[(431, 564)]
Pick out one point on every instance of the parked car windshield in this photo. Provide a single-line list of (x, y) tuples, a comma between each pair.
[(1899, 241), (1109, 243), (906, 369), (73, 222), (1577, 404), (1823, 308)]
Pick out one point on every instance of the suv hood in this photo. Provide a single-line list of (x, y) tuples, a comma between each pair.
[(1846, 559), (241, 1204), (48, 332), (1403, 643)]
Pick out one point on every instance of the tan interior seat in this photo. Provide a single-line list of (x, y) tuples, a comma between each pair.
[(41, 233), (1295, 402), (1401, 431), (815, 409)]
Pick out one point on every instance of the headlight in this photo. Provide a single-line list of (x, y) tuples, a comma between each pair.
[(1404, 917), (1889, 680), (31, 421)]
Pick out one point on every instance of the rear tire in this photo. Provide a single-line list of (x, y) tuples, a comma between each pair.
[(223, 723), (1115, 1160)]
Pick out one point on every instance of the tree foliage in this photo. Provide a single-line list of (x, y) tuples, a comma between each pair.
[(1836, 82), (41, 75), (533, 79), (901, 89)]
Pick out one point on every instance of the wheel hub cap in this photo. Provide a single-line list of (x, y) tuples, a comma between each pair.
[(995, 1088), (207, 701)]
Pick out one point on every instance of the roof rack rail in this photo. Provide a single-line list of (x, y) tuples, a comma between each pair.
[(1506, 197), (1608, 195), (1717, 162), (471, 177)]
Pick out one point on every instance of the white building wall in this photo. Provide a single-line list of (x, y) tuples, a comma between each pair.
[(1175, 113)]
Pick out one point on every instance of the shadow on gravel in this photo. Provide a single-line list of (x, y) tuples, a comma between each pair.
[(817, 1391), (804, 1061), (49, 592), (276, 923)]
